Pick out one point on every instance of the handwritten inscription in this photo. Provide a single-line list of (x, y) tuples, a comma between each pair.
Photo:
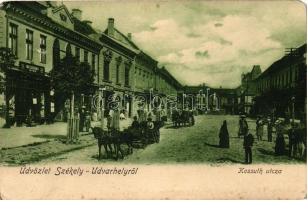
[(243, 170), (77, 171)]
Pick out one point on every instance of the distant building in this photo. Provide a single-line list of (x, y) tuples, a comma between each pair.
[(283, 85), (205, 98), (247, 90)]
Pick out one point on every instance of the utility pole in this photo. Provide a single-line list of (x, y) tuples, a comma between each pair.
[(208, 98), (101, 107)]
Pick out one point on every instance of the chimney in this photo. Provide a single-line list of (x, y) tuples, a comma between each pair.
[(76, 13), (111, 27), (129, 35)]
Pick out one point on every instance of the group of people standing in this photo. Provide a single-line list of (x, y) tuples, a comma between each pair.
[(243, 131), (294, 132), (85, 120)]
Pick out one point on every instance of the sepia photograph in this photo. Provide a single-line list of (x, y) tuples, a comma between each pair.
[(117, 85)]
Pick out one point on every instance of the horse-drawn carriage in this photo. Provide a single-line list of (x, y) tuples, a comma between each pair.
[(182, 118), (133, 137)]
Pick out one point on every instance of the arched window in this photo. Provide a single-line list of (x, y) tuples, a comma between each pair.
[(106, 65), (68, 50), (56, 53), (118, 62)]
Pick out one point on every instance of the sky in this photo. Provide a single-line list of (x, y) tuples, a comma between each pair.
[(211, 42)]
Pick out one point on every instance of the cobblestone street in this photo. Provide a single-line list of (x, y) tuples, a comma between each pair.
[(197, 144), (41, 142)]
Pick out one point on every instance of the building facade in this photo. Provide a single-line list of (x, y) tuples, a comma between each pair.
[(281, 89), (247, 90), (41, 34), (209, 99)]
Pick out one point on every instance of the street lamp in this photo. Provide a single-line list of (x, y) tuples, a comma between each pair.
[(101, 107), (199, 99), (183, 96), (293, 114), (150, 94), (208, 98)]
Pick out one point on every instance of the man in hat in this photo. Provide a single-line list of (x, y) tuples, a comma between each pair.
[(243, 126), (270, 129), (87, 121), (259, 128), (247, 145), (150, 130), (82, 119)]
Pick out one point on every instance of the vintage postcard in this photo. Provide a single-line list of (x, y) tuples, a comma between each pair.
[(158, 99)]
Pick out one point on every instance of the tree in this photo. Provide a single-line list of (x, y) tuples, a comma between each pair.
[(71, 75), (70, 78), (7, 60)]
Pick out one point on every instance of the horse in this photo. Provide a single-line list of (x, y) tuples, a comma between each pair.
[(103, 139), (115, 137)]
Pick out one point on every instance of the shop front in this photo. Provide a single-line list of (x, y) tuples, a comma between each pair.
[(28, 90)]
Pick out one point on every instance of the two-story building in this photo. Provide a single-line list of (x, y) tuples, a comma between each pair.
[(247, 91), (281, 88), (39, 34)]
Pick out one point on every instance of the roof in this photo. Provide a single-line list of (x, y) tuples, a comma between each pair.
[(174, 81), (285, 60), (38, 14), (83, 27), (120, 37)]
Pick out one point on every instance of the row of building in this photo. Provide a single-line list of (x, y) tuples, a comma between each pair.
[(40, 34), (279, 91)]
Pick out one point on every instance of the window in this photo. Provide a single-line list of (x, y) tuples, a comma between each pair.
[(93, 61), (117, 72), (13, 38), (43, 49), (29, 44), (63, 17), (78, 53), (282, 80), (68, 50), (127, 69), (85, 56), (106, 72)]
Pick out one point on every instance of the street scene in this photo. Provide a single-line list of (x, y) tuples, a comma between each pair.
[(197, 82)]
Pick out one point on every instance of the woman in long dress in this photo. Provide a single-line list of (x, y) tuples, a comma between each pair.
[(259, 128), (280, 144), (224, 136)]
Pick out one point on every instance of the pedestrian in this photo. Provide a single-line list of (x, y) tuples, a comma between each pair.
[(115, 120), (270, 129), (135, 124), (247, 145), (87, 121), (109, 121), (122, 116), (82, 119), (224, 136), (291, 135), (243, 126), (259, 128), (280, 141), (150, 130)]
